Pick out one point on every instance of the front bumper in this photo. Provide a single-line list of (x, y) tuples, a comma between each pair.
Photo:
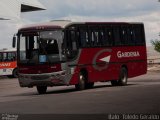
[(45, 79)]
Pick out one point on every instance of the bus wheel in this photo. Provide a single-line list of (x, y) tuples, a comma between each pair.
[(114, 82), (90, 85), (123, 78), (41, 89), (15, 73), (82, 82)]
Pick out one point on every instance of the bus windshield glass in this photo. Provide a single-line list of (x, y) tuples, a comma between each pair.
[(41, 47)]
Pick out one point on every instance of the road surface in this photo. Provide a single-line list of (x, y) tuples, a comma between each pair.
[(141, 95)]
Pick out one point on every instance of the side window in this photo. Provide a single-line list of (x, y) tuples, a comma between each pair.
[(5, 57), (131, 41), (94, 36), (109, 36), (124, 35), (1, 57), (117, 39), (83, 37), (138, 35), (102, 37)]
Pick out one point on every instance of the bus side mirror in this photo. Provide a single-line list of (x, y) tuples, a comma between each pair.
[(14, 41)]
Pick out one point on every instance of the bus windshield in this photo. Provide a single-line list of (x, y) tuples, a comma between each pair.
[(41, 47)]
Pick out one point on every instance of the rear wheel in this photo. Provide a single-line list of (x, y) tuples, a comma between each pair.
[(123, 78), (41, 89), (114, 82)]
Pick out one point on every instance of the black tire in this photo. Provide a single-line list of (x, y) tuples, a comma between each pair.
[(41, 89), (114, 82), (123, 78), (90, 85), (82, 82), (15, 73), (10, 76)]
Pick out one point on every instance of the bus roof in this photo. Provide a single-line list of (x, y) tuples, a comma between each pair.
[(49, 25), (60, 24)]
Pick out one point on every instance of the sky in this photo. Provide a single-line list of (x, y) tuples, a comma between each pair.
[(146, 11)]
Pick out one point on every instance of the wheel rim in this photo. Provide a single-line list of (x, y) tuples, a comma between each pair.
[(81, 78), (124, 77), (82, 81)]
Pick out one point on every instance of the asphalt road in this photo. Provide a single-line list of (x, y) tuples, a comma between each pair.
[(141, 95)]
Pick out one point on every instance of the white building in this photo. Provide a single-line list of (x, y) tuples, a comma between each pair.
[(11, 9), (152, 55)]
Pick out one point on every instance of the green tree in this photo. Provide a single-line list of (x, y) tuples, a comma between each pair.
[(156, 45)]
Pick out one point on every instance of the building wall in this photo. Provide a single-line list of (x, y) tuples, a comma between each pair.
[(11, 9), (34, 3), (152, 55)]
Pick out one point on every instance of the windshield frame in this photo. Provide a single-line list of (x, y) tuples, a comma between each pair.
[(42, 58)]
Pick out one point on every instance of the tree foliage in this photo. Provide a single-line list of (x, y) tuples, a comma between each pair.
[(156, 45)]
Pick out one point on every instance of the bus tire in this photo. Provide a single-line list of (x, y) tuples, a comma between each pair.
[(114, 82), (10, 76), (90, 85), (123, 78), (41, 89), (82, 82), (15, 73)]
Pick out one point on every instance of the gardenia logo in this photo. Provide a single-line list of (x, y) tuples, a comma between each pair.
[(121, 54)]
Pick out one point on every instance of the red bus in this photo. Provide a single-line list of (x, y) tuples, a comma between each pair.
[(80, 54), (8, 63)]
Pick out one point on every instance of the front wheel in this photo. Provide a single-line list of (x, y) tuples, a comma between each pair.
[(82, 82), (15, 73), (90, 85), (41, 89)]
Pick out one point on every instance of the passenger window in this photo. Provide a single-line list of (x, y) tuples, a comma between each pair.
[(131, 41), (124, 35), (94, 37), (84, 38), (102, 39), (109, 36), (117, 39), (138, 35)]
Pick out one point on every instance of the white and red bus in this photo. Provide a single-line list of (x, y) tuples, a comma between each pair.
[(80, 54), (8, 63)]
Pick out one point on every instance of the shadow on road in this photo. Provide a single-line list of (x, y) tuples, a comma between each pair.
[(65, 90)]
